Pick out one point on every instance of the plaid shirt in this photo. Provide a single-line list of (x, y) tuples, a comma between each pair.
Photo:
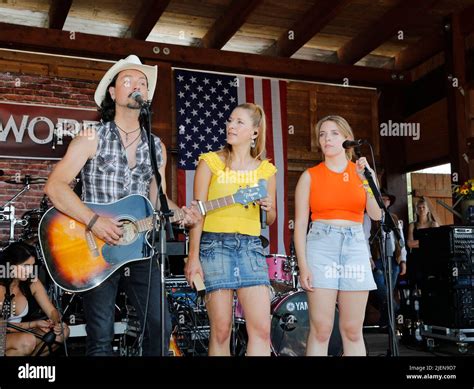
[(107, 178)]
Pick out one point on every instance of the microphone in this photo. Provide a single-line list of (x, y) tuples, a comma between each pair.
[(263, 218), (347, 144), (137, 96)]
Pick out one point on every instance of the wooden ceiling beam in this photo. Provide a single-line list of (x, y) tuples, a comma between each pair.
[(426, 47), (58, 12), (147, 17), (313, 21), (225, 27), (405, 13), (100, 47)]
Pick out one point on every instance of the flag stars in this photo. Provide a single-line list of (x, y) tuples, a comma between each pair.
[(215, 139), (208, 147), (194, 112), (196, 146), (214, 122), (188, 137), (226, 107), (201, 121), (180, 78), (207, 113), (206, 81), (186, 87), (219, 82), (213, 90)]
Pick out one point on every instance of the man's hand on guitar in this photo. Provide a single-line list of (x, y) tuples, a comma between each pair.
[(107, 229)]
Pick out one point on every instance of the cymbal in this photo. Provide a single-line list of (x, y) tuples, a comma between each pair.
[(31, 180)]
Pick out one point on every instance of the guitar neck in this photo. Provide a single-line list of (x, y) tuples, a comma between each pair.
[(178, 214)]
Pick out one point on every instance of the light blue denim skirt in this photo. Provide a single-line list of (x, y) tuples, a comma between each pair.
[(338, 258)]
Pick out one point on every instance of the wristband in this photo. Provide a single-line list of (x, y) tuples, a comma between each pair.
[(92, 222)]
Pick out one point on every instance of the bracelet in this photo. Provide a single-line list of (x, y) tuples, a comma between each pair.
[(92, 222), (367, 188)]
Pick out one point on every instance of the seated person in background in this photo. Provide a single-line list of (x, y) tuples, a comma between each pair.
[(18, 277), (399, 257)]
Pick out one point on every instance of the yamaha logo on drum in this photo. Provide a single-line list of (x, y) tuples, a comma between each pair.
[(299, 305)]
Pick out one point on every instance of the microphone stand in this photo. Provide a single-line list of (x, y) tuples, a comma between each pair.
[(48, 338), (387, 247), (163, 214)]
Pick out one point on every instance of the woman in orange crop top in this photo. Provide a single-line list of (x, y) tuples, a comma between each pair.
[(333, 258), (225, 248)]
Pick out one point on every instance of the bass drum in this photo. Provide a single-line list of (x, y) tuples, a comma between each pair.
[(290, 326)]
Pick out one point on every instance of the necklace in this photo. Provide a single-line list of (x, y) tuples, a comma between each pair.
[(127, 133), (132, 142)]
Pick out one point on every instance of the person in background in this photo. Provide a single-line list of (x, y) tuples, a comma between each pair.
[(399, 258)]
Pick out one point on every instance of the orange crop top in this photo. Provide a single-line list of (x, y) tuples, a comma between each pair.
[(336, 195)]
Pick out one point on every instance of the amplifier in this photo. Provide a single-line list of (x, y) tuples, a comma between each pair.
[(447, 242)]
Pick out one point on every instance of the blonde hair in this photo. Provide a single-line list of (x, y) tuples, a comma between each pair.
[(343, 127), (429, 215), (258, 120)]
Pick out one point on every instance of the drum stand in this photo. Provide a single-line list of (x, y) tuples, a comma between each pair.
[(7, 212)]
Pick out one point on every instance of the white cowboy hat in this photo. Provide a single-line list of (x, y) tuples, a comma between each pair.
[(131, 62)]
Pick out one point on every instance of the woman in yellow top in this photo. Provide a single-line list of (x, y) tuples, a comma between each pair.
[(225, 248)]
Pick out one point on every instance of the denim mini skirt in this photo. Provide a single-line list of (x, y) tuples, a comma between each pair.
[(232, 261)]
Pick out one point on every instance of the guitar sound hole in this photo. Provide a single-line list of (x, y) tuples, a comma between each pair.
[(130, 232)]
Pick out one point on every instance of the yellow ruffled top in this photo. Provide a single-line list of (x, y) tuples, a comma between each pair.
[(233, 218)]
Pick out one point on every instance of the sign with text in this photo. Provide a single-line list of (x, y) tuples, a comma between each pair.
[(40, 132)]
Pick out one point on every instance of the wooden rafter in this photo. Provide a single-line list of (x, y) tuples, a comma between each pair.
[(229, 23), (405, 13), (425, 48), (95, 46), (313, 21), (58, 12), (147, 17)]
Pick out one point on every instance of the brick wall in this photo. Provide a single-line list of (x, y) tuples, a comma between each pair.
[(46, 90)]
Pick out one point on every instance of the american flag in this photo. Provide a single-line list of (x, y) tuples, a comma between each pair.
[(204, 102)]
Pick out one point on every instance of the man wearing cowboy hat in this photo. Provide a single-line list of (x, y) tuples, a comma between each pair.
[(399, 257), (113, 160)]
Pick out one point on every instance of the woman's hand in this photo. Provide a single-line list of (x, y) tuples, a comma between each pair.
[(361, 164), (43, 325), (193, 267), (265, 204), (306, 279)]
